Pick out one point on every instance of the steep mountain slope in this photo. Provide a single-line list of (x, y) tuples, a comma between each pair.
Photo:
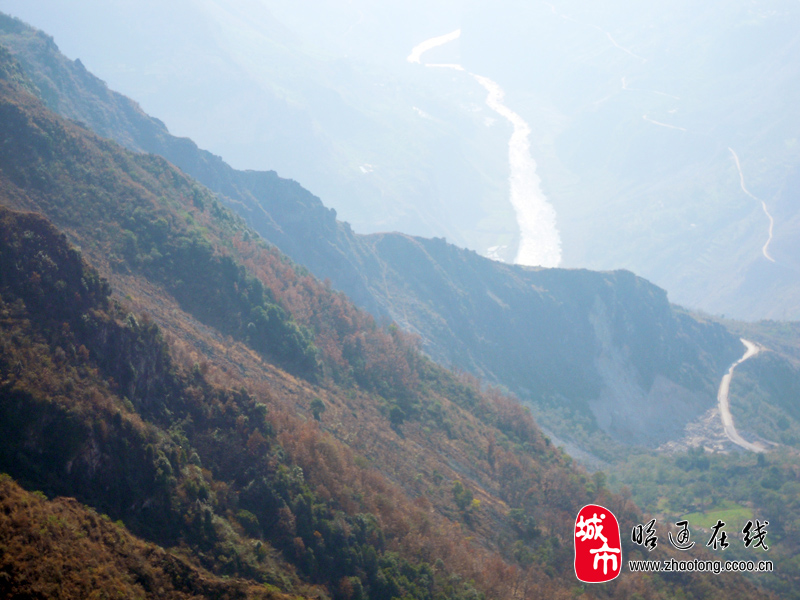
[(368, 473), (61, 549), (344, 125), (94, 406), (608, 347), (657, 130), (764, 397)]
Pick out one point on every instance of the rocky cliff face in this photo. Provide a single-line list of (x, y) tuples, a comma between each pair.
[(609, 343), (606, 344), (174, 404)]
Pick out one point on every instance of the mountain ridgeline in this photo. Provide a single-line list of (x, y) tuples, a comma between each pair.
[(605, 346), (253, 432)]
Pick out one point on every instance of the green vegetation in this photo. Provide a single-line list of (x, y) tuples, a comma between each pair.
[(702, 487), (58, 548), (215, 289), (764, 398), (489, 319), (174, 416), (178, 477), (734, 515), (95, 407), (317, 407)]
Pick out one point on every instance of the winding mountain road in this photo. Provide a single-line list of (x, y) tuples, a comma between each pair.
[(765, 249), (724, 403)]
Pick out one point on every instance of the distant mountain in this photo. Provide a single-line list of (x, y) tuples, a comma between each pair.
[(660, 131), (606, 347), (342, 122), (637, 115), (265, 437)]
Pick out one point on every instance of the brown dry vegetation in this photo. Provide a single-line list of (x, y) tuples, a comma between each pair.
[(61, 549), (414, 482)]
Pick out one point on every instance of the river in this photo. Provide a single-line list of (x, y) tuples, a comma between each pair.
[(539, 239)]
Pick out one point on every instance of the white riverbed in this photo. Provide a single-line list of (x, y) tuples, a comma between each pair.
[(540, 242)]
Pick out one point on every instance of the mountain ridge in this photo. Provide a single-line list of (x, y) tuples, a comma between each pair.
[(184, 438), (368, 472), (456, 318)]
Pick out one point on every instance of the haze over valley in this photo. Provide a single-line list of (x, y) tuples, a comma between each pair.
[(631, 111), (354, 301)]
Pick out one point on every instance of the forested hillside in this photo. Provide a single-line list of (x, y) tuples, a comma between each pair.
[(605, 350), (164, 366)]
